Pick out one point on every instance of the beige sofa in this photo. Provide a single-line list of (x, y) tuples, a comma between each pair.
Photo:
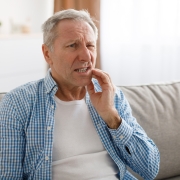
[(1, 95), (157, 109)]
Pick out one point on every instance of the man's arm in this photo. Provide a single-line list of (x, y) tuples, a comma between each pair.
[(11, 141), (138, 150)]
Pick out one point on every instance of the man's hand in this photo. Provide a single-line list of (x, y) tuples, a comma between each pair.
[(104, 101)]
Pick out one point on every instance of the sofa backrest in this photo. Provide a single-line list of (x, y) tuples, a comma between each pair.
[(157, 110), (2, 95)]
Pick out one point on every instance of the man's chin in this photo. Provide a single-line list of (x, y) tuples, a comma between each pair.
[(85, 82)]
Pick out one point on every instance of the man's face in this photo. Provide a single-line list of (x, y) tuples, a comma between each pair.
[(74, 54)]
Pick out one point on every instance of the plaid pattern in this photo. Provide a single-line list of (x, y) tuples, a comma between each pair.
[(26, 134)]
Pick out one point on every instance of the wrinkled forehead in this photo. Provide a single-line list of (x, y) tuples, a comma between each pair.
[(71, 28)]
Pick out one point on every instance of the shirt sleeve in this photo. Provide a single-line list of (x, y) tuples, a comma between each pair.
[(12, 141), (139, 151)]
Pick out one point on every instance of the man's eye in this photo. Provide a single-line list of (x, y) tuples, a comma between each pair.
[(72, 45), (90, 46)]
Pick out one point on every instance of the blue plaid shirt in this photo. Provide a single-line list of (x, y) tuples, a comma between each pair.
[(26, 134)]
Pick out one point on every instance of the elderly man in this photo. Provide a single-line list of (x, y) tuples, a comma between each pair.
[(74, 123)]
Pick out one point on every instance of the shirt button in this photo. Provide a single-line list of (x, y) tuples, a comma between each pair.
[(49, 128), (121, 137), (46, 158), (114, 137), (52, 106)]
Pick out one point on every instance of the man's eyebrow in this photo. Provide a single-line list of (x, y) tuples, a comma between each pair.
[(71, 41), (91, 42), (79, 40)]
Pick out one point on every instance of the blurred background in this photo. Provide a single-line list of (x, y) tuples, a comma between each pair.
[(139, 40)]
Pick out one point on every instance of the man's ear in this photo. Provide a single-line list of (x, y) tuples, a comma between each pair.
[(47, 54)]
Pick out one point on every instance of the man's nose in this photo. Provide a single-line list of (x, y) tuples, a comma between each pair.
[(85, 54)]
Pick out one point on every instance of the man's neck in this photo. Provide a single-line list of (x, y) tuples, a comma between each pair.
[(76, 93)]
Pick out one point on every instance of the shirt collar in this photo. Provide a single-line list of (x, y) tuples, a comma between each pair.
[(50, 84)]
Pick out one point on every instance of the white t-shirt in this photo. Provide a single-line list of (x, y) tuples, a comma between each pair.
[(77, 149)]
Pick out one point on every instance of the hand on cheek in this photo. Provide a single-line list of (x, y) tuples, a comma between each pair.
[(104, 101)]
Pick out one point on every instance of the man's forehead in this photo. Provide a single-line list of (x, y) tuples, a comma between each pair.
[(72, 27), (71, 23)]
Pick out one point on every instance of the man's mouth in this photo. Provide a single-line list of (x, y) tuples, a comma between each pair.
[(81, 70)]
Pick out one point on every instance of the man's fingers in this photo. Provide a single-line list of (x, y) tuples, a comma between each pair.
[(114, 88), (90, 88), (101, 76)]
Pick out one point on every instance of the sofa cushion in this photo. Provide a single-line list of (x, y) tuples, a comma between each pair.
[(157, 110), (173, 178)]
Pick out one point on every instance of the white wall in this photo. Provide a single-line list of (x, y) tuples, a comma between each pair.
[(19, 10), (21, 58), (140, 40), (21, 61)]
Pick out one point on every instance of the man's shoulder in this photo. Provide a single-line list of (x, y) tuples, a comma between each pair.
[(17, 105), (26, 92), (30, 87)]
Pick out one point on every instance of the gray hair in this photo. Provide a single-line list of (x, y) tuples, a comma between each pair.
[(49, 26)]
